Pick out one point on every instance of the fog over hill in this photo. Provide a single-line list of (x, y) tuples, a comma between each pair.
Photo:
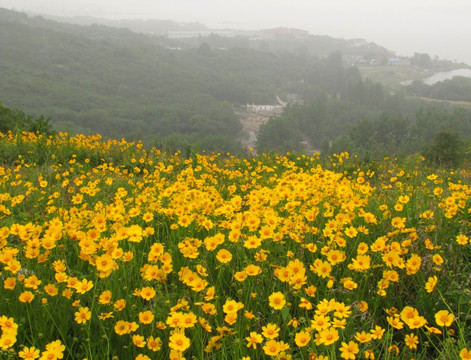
[(435, 27), (186, 85)]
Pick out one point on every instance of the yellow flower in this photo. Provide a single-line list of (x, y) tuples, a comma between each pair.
[(271, 348), (271, 331), (320, 322), (411, 341), (363, 337), (29, 353), (9, 283), (444, 318), (395, 322), (277, 300), (179, 342), (348, 351), (26, 297), (105, 297), (82, 315), (240, 276), (254, 339), (328, 336), (462, 239), (232, 306), (465, 354), (377, 332), (431, 283), (7, 341), (146, 317), (224, 256), (147, 293), (138, 340)]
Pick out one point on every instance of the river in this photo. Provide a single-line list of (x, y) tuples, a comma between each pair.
[(440, 76)]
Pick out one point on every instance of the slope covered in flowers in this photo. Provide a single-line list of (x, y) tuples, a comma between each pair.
[(112, 251)]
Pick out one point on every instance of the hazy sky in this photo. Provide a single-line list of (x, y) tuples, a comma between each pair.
[(436, 27)]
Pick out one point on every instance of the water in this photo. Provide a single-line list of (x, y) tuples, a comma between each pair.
[(440, 76)]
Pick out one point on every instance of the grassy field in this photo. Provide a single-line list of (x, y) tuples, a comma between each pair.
[(391, 76), (112, 251), (464, 104)]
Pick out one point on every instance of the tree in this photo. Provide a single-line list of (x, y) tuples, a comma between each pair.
[(446, 149), (280, 136)]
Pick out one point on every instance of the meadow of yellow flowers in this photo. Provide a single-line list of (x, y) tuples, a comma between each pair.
[(109, 250)]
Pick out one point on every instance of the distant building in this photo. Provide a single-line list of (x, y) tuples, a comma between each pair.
[(282, 33), (358, 42), (187, 34), (395, 61), (269, 108)]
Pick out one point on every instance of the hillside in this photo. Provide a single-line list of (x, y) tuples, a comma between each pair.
[(114, 81), (194, 91)]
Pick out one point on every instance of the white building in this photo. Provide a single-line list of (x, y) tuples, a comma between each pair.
[(187, 34)]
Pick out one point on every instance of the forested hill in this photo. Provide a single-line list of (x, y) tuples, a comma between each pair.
[(120, 83)]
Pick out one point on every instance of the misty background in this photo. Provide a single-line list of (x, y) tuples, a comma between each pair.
[(439, 28)]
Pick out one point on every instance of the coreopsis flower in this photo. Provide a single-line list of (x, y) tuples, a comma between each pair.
[(395, 322), (83, 286), (105, 297), (277, 300), (189, 320), (29, 353), (147, 293), (363, 337), (54, 350), (146, 317), (154, 344), (104, 263), (252, 242), (341, 310), (230, 318), (348, 351), (51, 289), (363, 306), (175, 319), (437, 259), (411, 341), (26, 297), (7, 341), (232, 306), (139, 341), (178, 341), (305, 303), (253, 339), (253, 270), (444, 318), (413, 264), (320, 322), (302, 338), (310, 290), (431, 283), (270, 331), (328, 336), (462, 239), (224, 256), (82, 315), (240, 276), (272, 348), (465, 354), (9, 283), (31, 282)]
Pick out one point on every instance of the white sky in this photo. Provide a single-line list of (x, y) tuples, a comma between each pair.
[(436, 27)]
